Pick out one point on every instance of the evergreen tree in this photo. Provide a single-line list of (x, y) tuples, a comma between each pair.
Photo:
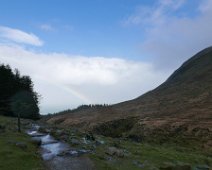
[(17, 97)]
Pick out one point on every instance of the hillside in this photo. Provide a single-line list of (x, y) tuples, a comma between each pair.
[(187, 93), (182, 105)]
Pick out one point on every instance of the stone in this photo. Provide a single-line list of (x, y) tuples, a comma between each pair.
[(21, 145), (63, 153), (11, 142), (89, 136), (100, 142), (182, 167), (2, 128), (83, 151), (167, 166), (202, 167), (38, 135), (113, 151), (44, 130), (75, 142), (74, 153), (64, 137), (58, 132), (170, 166), (138, 164)]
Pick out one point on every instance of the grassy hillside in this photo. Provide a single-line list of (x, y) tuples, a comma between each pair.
[(187, 93), (181, 106), (17, 152)]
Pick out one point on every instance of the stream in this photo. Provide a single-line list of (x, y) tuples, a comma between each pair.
[(58, 155)]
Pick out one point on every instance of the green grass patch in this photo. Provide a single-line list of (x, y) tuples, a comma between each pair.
[(147, 156), (13, 157)]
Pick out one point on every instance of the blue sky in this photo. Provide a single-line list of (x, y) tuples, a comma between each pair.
[(79, 26), (92, 28), (100, 51)]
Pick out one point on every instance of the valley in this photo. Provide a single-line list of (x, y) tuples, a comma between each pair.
[(168, 128)]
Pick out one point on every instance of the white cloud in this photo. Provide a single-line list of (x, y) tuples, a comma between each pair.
[(170, 38), (19, 36), (173, 4), (65, 81), (155, 14), (47, 27)]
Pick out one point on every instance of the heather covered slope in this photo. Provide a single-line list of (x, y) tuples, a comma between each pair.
[(182, 105)]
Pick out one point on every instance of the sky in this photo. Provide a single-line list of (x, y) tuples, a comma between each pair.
[(100, 51)]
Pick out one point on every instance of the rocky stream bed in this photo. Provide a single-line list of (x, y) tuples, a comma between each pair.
[(59, 155)]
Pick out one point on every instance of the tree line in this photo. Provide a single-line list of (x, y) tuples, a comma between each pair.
[(80, 108), (17, 97)]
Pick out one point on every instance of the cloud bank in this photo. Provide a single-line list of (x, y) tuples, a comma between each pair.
[(66, 81)]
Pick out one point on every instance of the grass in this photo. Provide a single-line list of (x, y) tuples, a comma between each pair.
[(13, 157), (147, 156)]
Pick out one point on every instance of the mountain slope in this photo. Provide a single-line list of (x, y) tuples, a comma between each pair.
[(181, 105), (187, 92)]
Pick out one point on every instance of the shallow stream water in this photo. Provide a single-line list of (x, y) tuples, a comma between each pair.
[(50, 147), (58, 155)]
